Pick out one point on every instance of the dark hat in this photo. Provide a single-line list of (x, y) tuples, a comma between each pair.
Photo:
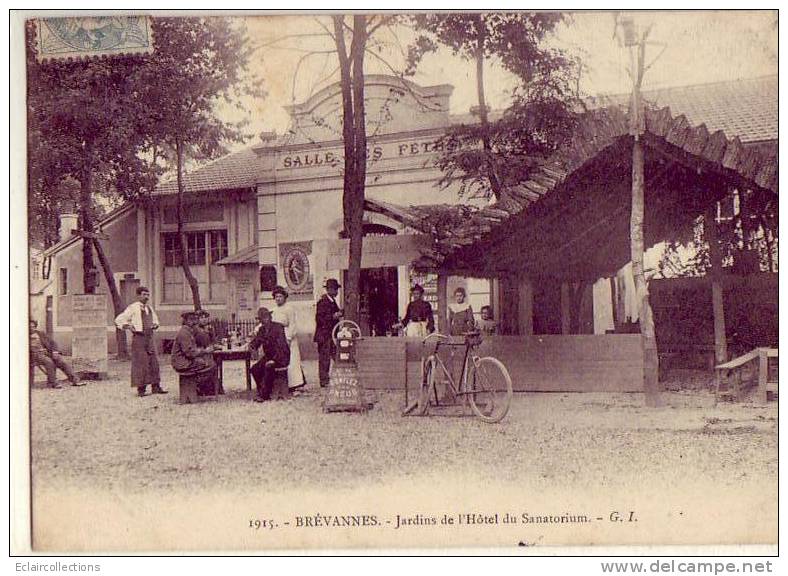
[(279, 290), (417, 288), (202, 313), (331, 283), (263, 311), (189, 315)]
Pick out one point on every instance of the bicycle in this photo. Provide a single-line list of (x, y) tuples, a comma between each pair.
[(484, 381)]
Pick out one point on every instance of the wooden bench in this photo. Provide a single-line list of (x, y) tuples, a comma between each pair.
[(187, 389), (735, 378)]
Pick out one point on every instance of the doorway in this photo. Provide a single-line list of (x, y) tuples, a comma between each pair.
[(379, 291)]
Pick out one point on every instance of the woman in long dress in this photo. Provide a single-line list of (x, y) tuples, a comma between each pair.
[(284, 313), (460, 314)]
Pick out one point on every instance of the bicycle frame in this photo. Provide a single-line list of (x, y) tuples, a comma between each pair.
[(462, 389)]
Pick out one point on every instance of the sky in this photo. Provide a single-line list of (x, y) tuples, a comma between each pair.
[(294, 57)]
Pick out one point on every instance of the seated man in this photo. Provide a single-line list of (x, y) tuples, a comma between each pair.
[(43, 352), (204, 336), (276, 354), (189, 359)]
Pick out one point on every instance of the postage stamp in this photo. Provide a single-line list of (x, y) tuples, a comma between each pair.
[(86, 36)]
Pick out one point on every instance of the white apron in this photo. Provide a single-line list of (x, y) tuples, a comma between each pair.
[(416, 329), (286, 316)]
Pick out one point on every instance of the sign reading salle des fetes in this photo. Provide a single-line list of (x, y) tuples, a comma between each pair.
[(378, 251), (375, 153)]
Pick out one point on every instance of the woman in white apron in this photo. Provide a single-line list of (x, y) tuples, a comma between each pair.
[(284, 313), (419, 320)]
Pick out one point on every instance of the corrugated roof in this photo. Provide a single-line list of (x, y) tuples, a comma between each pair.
[(745, 108), (236, 170)]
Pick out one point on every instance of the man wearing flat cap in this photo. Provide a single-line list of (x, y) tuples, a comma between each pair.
[(189, 358), (275, 355), (327, 315)]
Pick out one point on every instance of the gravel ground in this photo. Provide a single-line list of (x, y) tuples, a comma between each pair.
[(103, 436)]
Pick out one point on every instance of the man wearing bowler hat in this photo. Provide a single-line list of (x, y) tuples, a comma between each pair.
[(327, 315)]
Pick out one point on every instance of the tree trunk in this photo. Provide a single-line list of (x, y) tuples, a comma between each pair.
[(182, 242), (352, 193), (356, 220), (715, 273), (117, 303), (495, 184), (645, 317), (86, 225)]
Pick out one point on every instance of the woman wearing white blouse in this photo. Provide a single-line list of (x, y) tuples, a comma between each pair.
[(284, 313)]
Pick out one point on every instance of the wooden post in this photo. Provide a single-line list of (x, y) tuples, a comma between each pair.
[(443, 311), (526, 307), (614, 302), (762, 394), (566, 315), (645, 317), (715, 275)]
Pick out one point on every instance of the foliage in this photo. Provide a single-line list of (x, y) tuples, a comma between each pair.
[(82, 126), (747, 230), (197, 63), (540, 114)]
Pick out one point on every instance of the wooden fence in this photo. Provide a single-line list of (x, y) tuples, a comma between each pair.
[(578, 363)]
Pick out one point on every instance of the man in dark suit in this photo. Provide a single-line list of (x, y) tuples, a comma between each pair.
[(327, 315), (276, 354)]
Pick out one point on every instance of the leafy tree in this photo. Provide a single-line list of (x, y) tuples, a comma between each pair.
[(83, 127), (540, 114), (197, 63)]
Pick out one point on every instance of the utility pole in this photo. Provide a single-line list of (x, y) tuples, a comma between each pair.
[(636, 42)]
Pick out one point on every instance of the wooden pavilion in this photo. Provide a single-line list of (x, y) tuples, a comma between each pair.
[(569, 224)]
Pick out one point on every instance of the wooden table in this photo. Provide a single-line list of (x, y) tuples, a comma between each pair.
[(221, 356)]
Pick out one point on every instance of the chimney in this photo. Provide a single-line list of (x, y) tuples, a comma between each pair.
[(68, 220)]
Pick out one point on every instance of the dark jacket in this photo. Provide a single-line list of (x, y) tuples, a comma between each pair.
[(324, 319), (274, 344), (420, 311), (203, 337), (187, 357)]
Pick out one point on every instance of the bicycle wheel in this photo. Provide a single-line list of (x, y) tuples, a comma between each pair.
[(490, 389), (427, 385)]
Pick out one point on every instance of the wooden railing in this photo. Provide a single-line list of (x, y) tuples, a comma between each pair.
[(755, 370)]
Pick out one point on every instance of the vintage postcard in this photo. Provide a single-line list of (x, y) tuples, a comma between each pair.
[(395, 281)]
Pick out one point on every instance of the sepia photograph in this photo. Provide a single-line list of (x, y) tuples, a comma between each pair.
[(384, 280)]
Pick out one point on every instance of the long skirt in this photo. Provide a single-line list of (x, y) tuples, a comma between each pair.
[(144, 364), (295, 372)]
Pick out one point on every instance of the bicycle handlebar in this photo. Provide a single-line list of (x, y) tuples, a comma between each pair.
[(436, 335)]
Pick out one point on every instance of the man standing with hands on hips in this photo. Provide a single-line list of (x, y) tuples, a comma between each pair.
[(142, 320), (327, 315)]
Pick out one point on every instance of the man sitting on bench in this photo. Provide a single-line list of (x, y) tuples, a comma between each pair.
[(276, 355), (189, 359), (44, 353)]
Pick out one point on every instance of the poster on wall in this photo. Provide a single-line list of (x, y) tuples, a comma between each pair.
[(244, 291), (296, 268), (89, 339)]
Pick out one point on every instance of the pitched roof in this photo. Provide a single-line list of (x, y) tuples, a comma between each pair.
[(234, 171), (744, 108), (246, 255), (705, 145)]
